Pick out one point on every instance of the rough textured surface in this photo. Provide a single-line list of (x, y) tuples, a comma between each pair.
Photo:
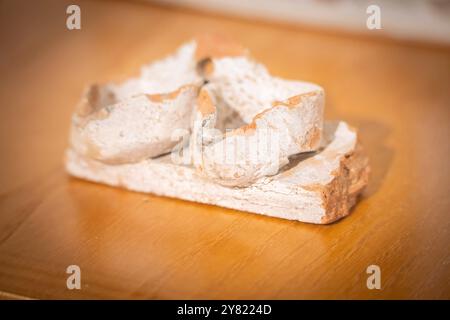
[(270, 119), (134, 129), (134, 120), (316, 188), (260, 148), (206, 87), (247, 86)]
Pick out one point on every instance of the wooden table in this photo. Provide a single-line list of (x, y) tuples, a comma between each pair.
[(131, 245)]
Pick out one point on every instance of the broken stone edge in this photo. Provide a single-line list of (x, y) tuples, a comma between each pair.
[(285, 195)]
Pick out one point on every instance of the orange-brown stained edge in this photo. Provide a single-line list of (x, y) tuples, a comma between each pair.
[(205, 103), (160, 97), (291, 102)]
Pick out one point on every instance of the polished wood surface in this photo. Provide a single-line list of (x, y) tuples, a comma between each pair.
[(131, 245)]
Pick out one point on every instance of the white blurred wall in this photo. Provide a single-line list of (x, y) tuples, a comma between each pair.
[(423, 20)]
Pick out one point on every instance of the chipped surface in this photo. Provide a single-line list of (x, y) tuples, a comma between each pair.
[(319, 189)]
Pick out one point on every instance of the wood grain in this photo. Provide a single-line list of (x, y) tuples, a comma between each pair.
[(132, 245)]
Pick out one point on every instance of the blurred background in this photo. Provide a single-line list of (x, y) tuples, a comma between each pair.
[(425, 20)]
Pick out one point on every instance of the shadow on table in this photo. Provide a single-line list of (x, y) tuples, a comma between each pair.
[(373, 136)]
